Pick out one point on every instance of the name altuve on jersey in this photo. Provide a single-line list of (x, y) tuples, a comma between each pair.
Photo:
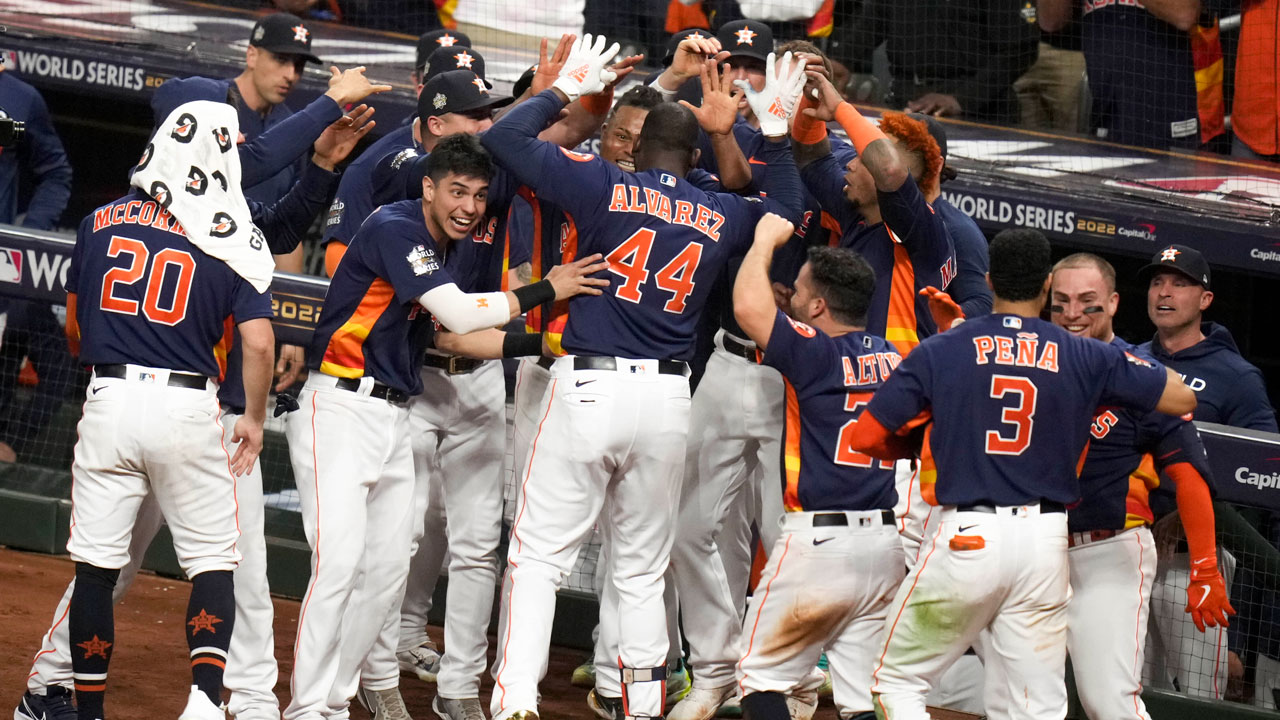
[(1025, 351), (654, 202)]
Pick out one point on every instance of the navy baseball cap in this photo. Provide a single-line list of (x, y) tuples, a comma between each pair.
[(1178, 258), (457, 91), (746, 38), (283, 34), (525, 81), (429, 42), (457, 57), (939, 134), (675, 40)]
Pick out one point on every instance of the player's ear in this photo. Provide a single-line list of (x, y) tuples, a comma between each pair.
[(251, 57), (1048, 283), (693, 159), (1206, 299), (428, 188)]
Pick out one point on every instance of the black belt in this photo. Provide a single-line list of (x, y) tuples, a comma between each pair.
[(545, 362), (733, 347), (452, 364), (176, 379), (379, 391), (1046, 506), (841, 520), (600, 362)]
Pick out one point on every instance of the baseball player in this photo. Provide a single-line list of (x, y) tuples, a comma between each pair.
[(997, 555), (251, 673), (1111, 549), (153, 278), (839, 523), (349, 442), (625, 371)]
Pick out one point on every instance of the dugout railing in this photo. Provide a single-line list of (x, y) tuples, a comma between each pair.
[(35, 492)]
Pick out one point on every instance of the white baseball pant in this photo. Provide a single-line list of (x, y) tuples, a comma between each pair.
[(458, 429), (734, 451), (912, 511), (604, 434), (1006, 571), (251, 661), (353, 466), (823, 588)]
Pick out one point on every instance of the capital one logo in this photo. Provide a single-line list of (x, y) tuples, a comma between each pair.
[(1262, 481)]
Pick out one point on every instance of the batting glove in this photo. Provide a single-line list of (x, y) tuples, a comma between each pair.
[(944, 310), (1207, 601), (774, 105), (586, 70)]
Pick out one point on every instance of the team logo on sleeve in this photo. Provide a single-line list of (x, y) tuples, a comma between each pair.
[(422, 260), (402, 156), (223, 136), (185, 129), (1137, 360), (223, 225), (335, 213), (580, 157), (197, 181), (160, 193), (802, 329), (147, 153)]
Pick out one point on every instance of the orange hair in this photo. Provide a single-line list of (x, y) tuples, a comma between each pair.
[(915, 137)]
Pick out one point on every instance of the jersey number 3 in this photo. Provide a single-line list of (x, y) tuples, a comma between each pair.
[(1020, 416), (631, 260), (181, 261)]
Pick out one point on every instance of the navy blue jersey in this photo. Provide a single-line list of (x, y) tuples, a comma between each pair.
[(909, 250), (750, 140), (39, 152), (146, 295), (969, 287), (1012, 400), (372, 322), (829, 381), (1114, 485), (1125, 46), (665, 239), (253, 124), (354, 200)]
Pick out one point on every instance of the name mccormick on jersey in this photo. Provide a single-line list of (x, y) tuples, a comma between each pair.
[(137, 212), (650, 201)]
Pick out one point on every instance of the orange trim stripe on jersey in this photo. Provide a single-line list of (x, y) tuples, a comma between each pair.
[(832, 225), (223, 346), (560, 309), (900, 322), (1137, 504), (791, 451), (533, 318), (345, 355)]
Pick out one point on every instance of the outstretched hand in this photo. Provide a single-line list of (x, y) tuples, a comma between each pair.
[(1207, 602), (774, 104), (586, 71), (575, 278), (944, 310), (351, 85), (549, 68), (719, 109), (340, 138)]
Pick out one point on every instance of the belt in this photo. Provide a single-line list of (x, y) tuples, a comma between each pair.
[(545, 362), (839, 519), (1046, 506), (737, 349), (452, 364), (176, 379), (1089, 536), (379, 391), (600, 362)]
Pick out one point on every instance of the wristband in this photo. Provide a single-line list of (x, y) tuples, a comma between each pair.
[(516, 345), (804, 129), (862, 132), (531, 296), (598, 104)]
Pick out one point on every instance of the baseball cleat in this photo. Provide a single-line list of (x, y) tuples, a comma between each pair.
[(702, 703), (460, 709), (801, 709), (200, 707), (584, 676), (731, 708), (55, 704), (383, 704), (423, 662), (605, 707), (678, 683), (523, 715)]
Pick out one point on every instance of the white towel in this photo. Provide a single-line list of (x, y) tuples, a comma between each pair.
[(192, 169)]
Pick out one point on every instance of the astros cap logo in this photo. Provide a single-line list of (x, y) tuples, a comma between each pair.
[(1169, 254), (480, 84), (300, 33), (447, 40), (745, 36), (464, 60)]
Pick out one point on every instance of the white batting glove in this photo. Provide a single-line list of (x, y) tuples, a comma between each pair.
[(774, 105), (586, 71)]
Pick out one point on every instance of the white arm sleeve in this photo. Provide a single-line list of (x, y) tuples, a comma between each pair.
[(466, 312)]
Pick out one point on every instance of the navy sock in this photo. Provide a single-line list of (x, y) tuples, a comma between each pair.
[(765, 706), (92, 629), (211, 615)]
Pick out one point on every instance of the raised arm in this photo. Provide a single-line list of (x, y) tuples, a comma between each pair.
[(716, 116), (753, 304)]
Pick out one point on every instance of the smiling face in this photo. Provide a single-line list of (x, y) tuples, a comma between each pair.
[(1083, 303), (273, 75), (750, 69), (1175, 300), (454, 205), (618, 138)]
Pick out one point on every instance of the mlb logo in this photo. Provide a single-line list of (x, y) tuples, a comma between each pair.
[(146, 377), (10, 265), (1013, 322), (667, 180), (9, 58), (864, 522)]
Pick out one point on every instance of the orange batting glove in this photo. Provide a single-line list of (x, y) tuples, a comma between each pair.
[(944, 310), (1207, 600)]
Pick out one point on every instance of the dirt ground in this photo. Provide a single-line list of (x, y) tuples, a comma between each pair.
[(149, 678)]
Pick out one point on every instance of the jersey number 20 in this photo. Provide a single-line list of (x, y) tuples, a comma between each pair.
[(1020, 416), (631, 261), (138, 267)]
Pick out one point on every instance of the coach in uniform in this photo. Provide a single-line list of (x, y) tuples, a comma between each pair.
[(1001, 481)]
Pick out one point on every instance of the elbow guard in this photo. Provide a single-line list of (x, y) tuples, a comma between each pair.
[(466, 312)]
